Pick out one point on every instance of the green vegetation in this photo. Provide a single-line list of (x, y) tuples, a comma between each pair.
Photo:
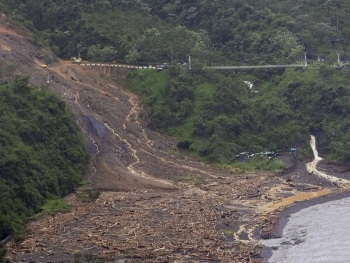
[(260, 164), (216, 116), (267, 30), (88, 195), (321, 97), (42, 155), (155, 31), (2, 256), (106, 30), (55, 205)]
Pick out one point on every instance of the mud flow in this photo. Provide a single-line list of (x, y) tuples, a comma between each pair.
[(156, 204)]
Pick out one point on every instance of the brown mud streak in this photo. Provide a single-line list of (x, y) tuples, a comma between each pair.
[(159, 205)]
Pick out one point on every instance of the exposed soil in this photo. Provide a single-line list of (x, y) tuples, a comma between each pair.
[(156, 204)]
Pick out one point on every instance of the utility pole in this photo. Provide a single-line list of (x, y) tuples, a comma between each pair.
[(337, 22), (189, 62), (171, 54)]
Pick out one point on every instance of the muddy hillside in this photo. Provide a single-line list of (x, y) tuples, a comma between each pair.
[(156, 204)]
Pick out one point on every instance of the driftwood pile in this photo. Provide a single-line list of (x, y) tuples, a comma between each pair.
[(192, 224)]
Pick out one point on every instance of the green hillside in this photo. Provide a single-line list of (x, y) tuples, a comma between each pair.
[(106, 30), (149, 31), (266, 30), (215, 114), (42, 155)]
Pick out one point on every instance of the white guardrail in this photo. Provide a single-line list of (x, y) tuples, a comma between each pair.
[(116, 65)]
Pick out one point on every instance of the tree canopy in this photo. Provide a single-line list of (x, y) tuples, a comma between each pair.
[(42, 155), (155, 31), (213, 107), (216, 116)]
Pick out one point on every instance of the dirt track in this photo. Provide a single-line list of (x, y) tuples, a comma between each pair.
[(156, 205)]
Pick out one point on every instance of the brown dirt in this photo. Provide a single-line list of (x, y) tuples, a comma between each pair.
[(156, 204)]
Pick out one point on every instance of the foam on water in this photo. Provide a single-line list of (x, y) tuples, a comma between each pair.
[(317, 234)]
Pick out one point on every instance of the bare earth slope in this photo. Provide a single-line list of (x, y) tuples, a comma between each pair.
[(156, 205)]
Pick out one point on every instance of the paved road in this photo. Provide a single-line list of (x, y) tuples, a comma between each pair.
[(257, 66)]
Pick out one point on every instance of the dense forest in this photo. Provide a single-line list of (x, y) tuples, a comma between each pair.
[(154, 31), (265, 30), (106, 30), (217, 116), (42, 155), (208, 110)]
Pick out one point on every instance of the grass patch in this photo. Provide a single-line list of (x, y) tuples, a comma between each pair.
[(88, 195), (260, 164), (55, 206)]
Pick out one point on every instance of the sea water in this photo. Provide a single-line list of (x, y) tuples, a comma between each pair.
[(318, 234)]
